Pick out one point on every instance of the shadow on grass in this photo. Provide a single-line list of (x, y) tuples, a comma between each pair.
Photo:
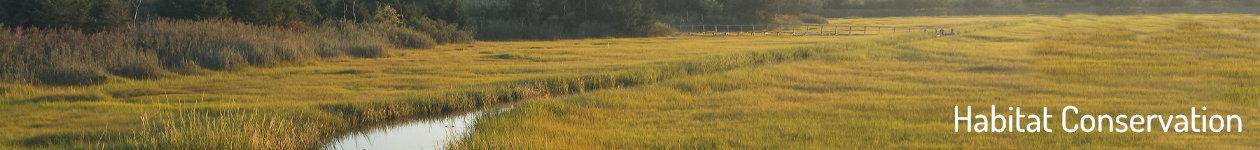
[(53, 140)]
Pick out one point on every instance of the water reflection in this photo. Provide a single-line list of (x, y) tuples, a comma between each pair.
[(427, 133)]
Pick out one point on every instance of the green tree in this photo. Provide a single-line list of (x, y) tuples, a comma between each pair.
[(273, 12), (192, 9), (746, 11), (88, 15), (630, 17), (386, 14)]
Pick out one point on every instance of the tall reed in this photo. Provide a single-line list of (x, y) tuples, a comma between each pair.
[(165, 47)]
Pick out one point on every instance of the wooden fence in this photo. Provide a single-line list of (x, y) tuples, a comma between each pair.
[(780, 29)]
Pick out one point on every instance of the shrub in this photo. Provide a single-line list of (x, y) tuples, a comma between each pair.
[(187, 67), (439, 31), (812, 19), (660, 29), (405, 38), (367, 52), (70, 74), (787, 19)]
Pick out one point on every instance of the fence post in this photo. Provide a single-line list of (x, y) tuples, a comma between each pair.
[(850, 30)]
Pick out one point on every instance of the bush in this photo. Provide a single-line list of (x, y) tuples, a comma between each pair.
[(441, 32), (367, 52), (787, 19), (406, 38), (187, 67), (812, 19), (660, 29), (71, 74)]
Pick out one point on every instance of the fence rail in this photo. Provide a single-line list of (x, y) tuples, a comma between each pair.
[(782, 29)]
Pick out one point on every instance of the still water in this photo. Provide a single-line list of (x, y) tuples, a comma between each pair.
[(426, 133)]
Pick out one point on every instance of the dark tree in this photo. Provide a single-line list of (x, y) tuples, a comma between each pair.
[(192, 9)]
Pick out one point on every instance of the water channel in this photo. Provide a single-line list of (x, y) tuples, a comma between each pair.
[(423, 133)]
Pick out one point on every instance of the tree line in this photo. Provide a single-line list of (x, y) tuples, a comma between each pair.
[(877, 8), (496, 19), (95, 15), (559, 19), (552, 19)]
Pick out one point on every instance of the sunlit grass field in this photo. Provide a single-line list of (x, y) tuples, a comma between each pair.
[(902, 95), (694, 92), (115, 113)]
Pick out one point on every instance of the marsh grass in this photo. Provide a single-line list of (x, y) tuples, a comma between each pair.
[(165, 48), (899, 95), (482, 95), (237, 128), (233, 129), (307, 89), (679, 92)]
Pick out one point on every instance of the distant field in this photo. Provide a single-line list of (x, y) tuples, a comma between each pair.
[(694, 92), (898, 92)]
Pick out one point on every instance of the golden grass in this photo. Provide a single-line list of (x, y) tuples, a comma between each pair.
[(901, 96), (310, 89), (690, 92)]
